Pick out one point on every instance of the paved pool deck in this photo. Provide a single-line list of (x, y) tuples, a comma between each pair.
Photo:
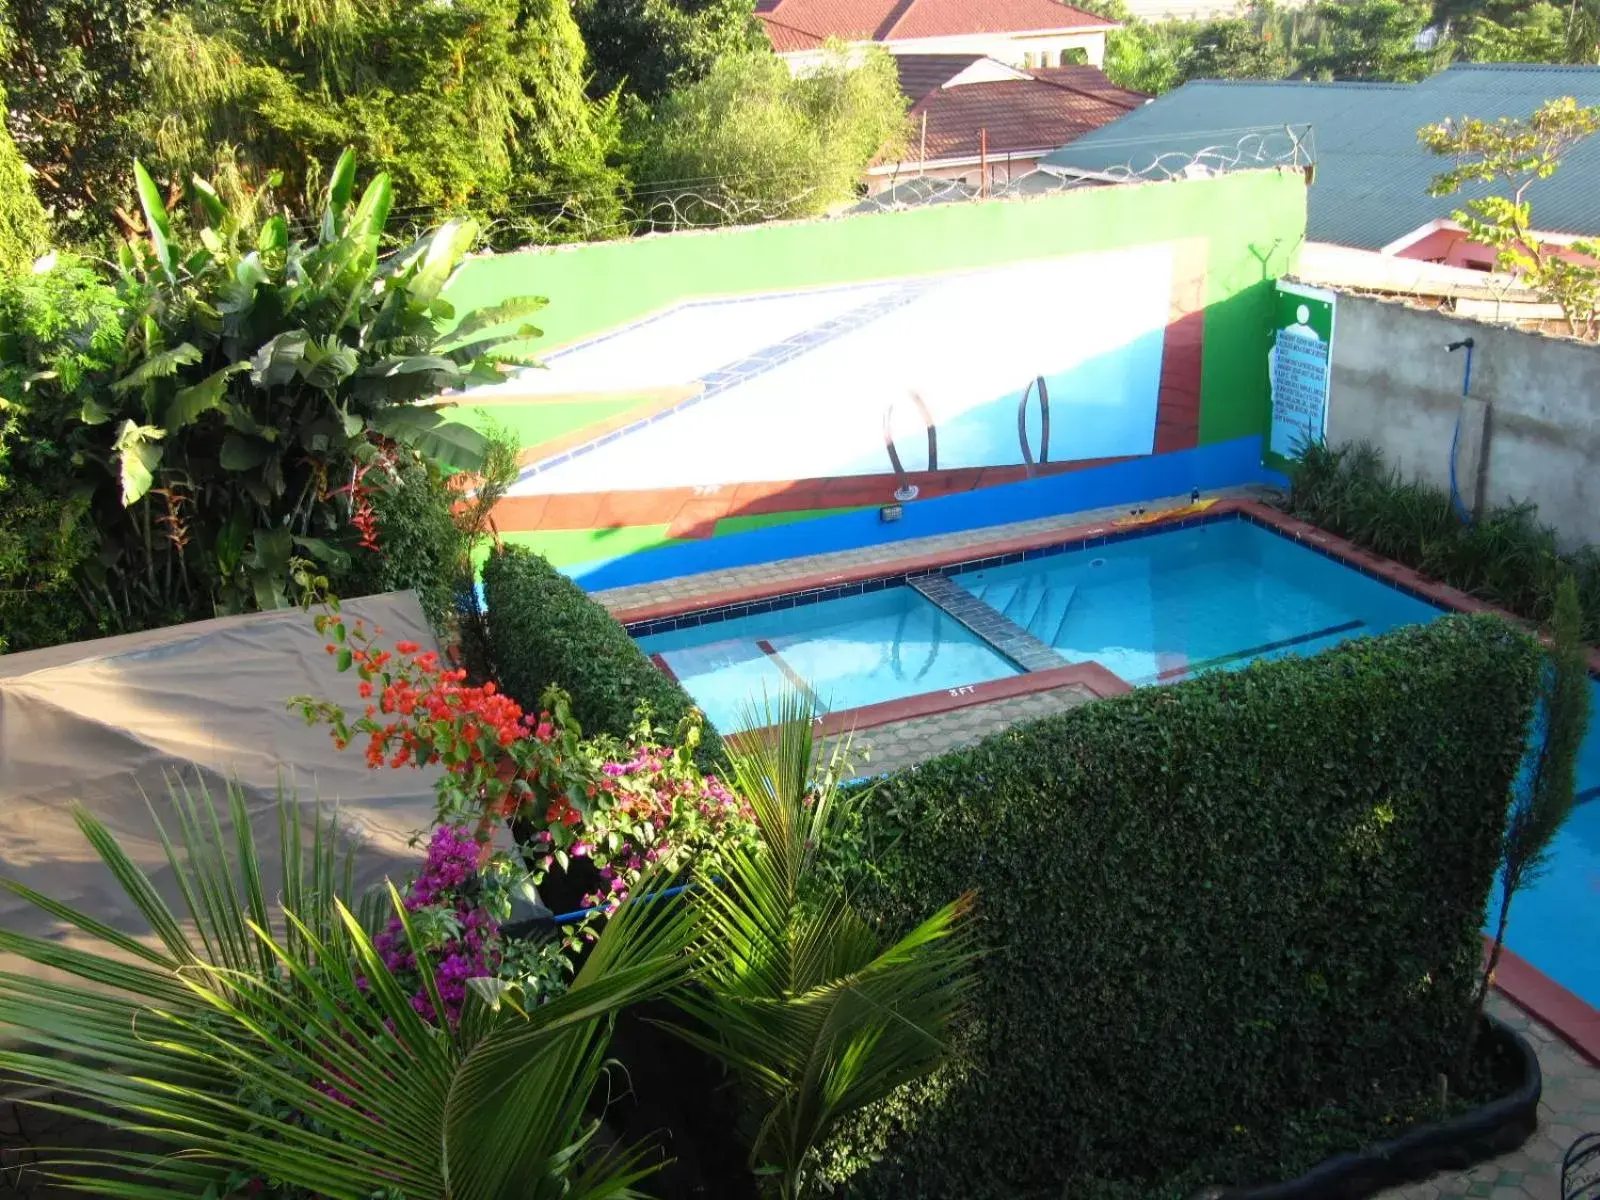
[(896, 745), (686, 590), (1570, 1107)]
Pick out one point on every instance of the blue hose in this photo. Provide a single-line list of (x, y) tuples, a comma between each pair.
[(580, 914), (1455, 492)]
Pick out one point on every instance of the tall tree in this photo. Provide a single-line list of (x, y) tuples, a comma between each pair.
[(1235, 48), (1157, 56), (646, 46), (1533, 33), (750, 142), (1553, 31), (73, 73), (1371, 39), (477, 104), (23, 228)]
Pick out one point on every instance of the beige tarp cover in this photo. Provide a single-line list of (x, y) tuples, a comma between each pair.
[(98, 721)]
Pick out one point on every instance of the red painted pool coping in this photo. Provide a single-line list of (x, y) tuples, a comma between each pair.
[(1091, 676), (1574, 1019), (1567, 1013)]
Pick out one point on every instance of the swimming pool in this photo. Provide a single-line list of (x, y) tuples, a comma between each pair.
[(1159, 608), (1154, 608), (850, 651)]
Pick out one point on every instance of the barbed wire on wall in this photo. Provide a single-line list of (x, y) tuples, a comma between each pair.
[(716, 202)]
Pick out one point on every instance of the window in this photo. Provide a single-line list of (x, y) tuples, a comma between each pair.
[(1028, 59)]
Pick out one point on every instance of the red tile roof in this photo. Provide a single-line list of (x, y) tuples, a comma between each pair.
[(807, 24), (1042, 110), (924, 73), (944, 18)]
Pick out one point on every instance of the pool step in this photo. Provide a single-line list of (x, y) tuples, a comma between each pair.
[(1050, 617), (988, 622)]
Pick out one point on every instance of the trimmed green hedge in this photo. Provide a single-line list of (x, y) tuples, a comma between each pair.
[(1231, 926), (544, 629)]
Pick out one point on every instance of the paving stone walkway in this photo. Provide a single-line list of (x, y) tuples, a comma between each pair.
[(1571, 1106), (893, 747), (687, 587)]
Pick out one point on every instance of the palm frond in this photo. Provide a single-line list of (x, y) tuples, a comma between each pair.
[(280, 1044), (799, 996)]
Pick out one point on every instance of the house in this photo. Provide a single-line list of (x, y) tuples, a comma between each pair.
[(1370, 181), (1019, 33), (986, 122)]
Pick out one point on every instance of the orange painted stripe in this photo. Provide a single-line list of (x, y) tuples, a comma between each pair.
[(666, 506)]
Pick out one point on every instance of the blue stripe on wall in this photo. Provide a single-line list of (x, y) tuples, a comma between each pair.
[(1226, 464)]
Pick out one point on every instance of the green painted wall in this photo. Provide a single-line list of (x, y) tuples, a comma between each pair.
[(1254, 223)]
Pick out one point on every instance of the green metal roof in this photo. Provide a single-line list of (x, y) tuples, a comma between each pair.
[(1371, 181)]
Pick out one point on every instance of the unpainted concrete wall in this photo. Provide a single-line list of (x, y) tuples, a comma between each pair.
[(1534, 434)]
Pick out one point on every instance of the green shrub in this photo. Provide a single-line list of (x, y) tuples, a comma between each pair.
[(1505, 557), (544, 629), (419, 543), (212, 401), (64, 326), (24, 230), (1230, 926)]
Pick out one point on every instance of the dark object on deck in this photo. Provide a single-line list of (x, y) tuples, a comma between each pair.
[(1454, 1144), (1580, 1169)]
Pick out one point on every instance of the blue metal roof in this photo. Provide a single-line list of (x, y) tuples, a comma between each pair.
[(1371, 182)]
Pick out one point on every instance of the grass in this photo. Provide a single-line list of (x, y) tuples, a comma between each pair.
[(1506, 556), (571, 547), (536, 423)]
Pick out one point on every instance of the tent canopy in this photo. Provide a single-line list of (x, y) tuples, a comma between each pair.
[(110, 722)]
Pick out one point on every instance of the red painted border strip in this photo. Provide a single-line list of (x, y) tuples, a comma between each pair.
[(665, 667), (1570, 1015)]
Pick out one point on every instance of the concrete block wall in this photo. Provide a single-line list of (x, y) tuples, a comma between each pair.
[(1529, 429)]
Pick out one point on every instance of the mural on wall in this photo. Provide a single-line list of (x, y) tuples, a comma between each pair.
[(974, 361), (864, 393)]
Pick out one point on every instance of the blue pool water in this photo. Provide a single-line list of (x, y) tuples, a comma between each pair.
[(1152, 609), (1158, 608), (850, 651)]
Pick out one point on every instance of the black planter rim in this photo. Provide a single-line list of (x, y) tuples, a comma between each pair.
[(1456, 1143)]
